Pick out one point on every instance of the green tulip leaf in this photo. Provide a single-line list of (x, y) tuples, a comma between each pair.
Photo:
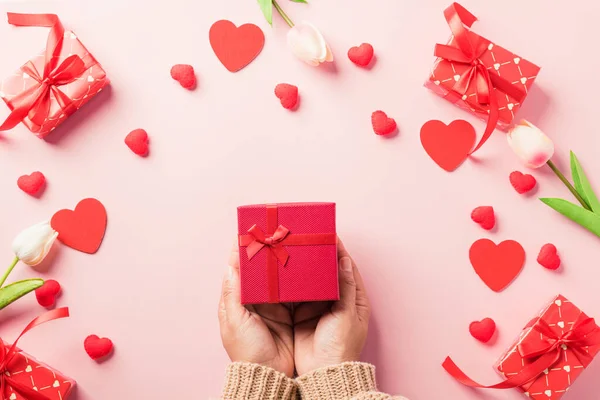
[(300, 1), (266, 7), (583, 217), (16, 290), (582, 185)]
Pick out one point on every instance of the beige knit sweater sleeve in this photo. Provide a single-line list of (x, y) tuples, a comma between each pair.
[(347, 381)]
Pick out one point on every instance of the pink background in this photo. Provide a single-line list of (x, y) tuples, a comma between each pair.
[(154, 285)]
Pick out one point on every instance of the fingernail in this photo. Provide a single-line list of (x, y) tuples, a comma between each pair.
[(346, 264)]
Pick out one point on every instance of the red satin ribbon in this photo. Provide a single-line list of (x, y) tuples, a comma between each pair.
[(468, 50), (6, 356), (276, 237), (545, 352), (35, 101)]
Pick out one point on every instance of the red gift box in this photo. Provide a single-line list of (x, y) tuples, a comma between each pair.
[(288, 252), (55, 83), (548, 355), (25, 378), (479, 76)]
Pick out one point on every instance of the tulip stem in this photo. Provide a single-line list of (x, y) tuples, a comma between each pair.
[(8, 271), (283, 14), (568, 185)]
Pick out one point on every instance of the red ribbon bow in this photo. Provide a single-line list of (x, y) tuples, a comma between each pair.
[(35, 101), (545, 352), (7, 355), (273, 242), (468, 50)]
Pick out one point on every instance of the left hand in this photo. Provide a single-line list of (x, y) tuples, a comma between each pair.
[(261, 333)]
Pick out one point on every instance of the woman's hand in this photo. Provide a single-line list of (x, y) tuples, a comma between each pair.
[(261, 333), (326, 334)]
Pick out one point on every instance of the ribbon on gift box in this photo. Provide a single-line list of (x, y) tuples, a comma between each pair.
[(7, 355), (275, 240), (468, 50), (545, 353), (35, 101)]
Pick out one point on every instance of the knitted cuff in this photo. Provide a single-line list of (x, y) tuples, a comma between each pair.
[(338, 382), (245, 381)]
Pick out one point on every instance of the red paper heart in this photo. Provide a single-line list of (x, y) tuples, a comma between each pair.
[(287, 94), (522, 183), (497, 265), (361, 55), (483, 330), (448, 145), (31, 184), (548, 257), (382, 124), (484, 216), (137, 141), (235, 47), (46, 294), (184, 74), (97, 347), (82, 229)]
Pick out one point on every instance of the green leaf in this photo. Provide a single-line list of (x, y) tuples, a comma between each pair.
[(582, 185), (266, 7), (300, 1), (583, 217), (16, 290)]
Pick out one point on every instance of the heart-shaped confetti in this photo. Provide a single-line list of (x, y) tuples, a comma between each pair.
[(97, 347), (497, 265), (287, 94), (82, 229), (448, 145), (483, 330), (236, 47), (382, 124), (522, 183), (184, 74), (47, 293), (361, 55), (484, 216), (548, 257), (31, 184), (137, 140)]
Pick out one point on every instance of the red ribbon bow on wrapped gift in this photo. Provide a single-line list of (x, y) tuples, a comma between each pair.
[(545, 352), (35, 101), (7, 355), (468, 50), (274, 240)]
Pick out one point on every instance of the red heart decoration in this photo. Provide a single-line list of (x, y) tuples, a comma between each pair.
[(483, 330), (31, 184), (97, 347), (361, 55), (236, 47), (522, 183), (287, 94), (448, 145), (46, 294), (484, 216), (82, 229), (548, 257), (137, 141), (497, 265), (184, 74), (382, 124)]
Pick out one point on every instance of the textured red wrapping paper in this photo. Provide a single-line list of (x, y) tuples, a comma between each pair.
[(32, 373), (311, 271), (561, 315)]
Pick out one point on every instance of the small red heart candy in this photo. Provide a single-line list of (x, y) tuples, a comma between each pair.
[(137, 141), (287, 94), (483, 330), (548, 257), (31, 184), (361, 55), (484, 216), (522, 183), (382, 125), (184, 74), (97, 347), (46, 294)]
